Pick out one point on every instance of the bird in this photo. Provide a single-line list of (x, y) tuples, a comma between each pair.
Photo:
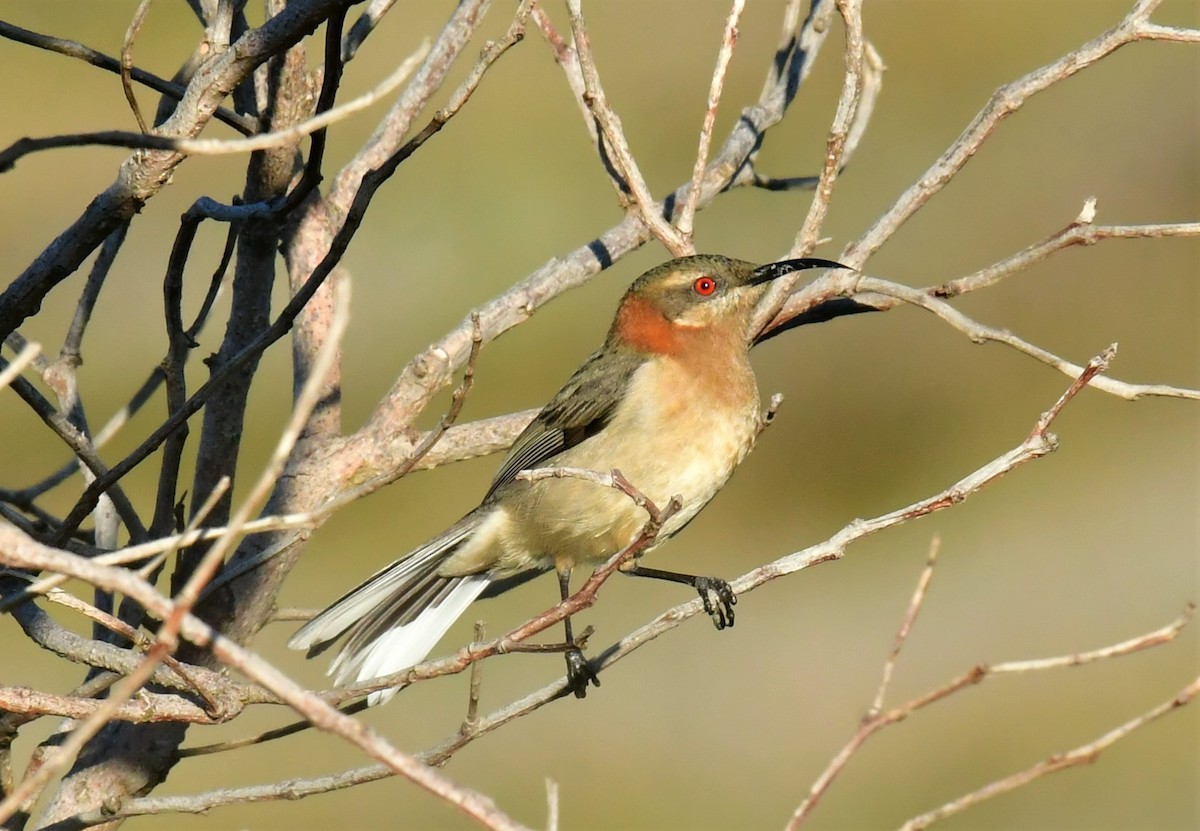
[(670, 401)]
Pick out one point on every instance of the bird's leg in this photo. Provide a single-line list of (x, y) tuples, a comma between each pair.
[(579, 673), (716, 595)]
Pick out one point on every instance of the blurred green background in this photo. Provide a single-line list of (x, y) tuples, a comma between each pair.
[(1090, 546)]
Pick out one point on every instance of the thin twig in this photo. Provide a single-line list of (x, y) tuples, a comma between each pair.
[(432, 437), (472, 718), (1081, 231), (728, 41), (12, 369), (82, 448), (145, 707), (878, 720), (910, 617), (135, 637), (628, 182), (1158, 636), (215, 147), (1007, 100), (839, 132), (979, 333), (846, 284), (1082, 755), (551, 804), (567, 58), (363, 27), (135, 26), (72, 49)]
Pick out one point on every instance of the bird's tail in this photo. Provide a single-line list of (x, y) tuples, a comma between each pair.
[(396, 616)]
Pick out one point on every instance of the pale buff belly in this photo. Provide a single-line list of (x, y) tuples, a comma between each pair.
[(688, 448)]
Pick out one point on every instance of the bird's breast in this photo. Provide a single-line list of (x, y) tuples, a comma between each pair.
[(677, 431)]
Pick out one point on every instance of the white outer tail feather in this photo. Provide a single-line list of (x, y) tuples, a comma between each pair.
[(403, 646)]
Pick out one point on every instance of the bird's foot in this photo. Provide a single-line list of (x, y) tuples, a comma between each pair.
[(718, 599), (579, 672)]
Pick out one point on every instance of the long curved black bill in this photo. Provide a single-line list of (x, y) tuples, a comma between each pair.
[(773, 271), (837, 307)]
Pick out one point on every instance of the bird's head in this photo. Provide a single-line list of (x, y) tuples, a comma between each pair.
[(695, 295)]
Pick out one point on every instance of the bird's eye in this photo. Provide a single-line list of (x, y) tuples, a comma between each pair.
[(704, 286)]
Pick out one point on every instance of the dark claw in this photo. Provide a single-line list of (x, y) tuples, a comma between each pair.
[(718, 599), (579, 672)]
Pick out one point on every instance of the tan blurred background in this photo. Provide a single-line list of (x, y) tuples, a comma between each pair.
[(1090, 546)]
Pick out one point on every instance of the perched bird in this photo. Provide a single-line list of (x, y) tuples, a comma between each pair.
[(669, 400)]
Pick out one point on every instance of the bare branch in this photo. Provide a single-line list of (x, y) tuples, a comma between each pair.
[(135, 26), (205, 802), (73, 49), (628, 180), (219, 147), (910, 617), (145, 707), (19, 551), (728, 41), (845, 284), (82, 448), (1007, 100), (877, 719), (1082, 755), (1081, 231), (144, 174), (12, 369), (363, 27), (979, 333), (839, 132), (1158, 636)]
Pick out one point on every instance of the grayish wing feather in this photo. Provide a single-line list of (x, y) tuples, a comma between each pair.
[(379, 589), (581, 409)]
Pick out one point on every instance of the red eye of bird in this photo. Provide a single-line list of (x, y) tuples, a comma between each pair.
[(704, 286)]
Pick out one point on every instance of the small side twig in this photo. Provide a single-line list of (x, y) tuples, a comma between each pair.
[(629, 183), (1080, 231), (1081, 755), (910, 617), (214, 147), (878, 719), (1006, 101), (13, 369), (551, 804), (135, 26), (729, 36), (980, 333), (471, 722), (839, 132), (73, 49)]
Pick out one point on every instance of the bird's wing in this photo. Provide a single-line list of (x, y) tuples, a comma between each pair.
[(582, 408)]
